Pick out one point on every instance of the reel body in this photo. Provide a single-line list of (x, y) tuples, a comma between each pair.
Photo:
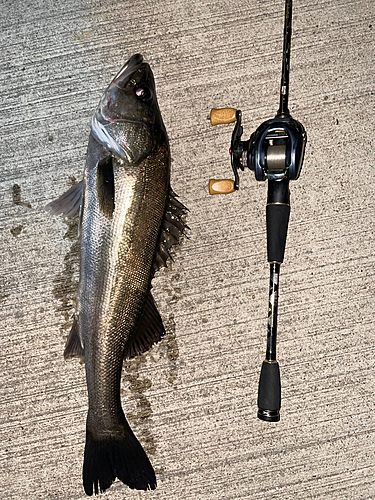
[(274, 151)]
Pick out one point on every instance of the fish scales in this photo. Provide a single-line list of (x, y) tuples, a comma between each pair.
[(111, 298), (129, 220)]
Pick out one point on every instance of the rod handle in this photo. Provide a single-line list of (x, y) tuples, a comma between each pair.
[(269, 394), (277, 216), (277, 227), (221, 186), (222, 115)]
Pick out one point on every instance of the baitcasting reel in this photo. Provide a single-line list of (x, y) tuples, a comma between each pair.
[(274, 152)]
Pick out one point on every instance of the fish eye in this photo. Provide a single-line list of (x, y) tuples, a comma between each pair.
[(143, 93)]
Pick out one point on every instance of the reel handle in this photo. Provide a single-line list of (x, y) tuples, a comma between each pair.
[(221, 186), (219, 116)]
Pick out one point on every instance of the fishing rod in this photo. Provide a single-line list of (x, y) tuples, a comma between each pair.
[(275, 153)]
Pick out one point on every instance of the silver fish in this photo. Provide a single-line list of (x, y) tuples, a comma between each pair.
[(129, 220)]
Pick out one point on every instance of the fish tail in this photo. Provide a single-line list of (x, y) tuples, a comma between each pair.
[(111, 457)]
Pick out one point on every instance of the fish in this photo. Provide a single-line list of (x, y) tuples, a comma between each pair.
[(129, 220)]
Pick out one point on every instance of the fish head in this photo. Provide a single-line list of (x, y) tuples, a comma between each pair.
[(128, 120)]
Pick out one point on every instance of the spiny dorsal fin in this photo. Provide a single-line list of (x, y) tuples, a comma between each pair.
[(149, 331), (172, 229), (69, 203), (73, 346)]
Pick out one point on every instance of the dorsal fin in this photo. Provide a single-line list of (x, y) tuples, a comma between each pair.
[(73, 346), (69, 203), (149, 330), (172, 229)]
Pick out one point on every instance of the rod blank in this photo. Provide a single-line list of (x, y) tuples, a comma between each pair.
[(284, 87)]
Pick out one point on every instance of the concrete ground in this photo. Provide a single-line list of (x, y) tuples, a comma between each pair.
[(192, 399)]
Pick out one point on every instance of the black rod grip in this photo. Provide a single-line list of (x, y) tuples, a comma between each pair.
[(277, 216), (269, 394)]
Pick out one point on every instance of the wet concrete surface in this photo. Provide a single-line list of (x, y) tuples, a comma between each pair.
[(192, 400)]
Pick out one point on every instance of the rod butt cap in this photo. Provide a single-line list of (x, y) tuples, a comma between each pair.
[(269, 415), (269, 394)]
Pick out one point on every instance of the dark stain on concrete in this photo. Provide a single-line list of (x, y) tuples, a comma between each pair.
[(17, 200), (16, 231), (65, 285), (3, 295), (170, 340), (172, 351)]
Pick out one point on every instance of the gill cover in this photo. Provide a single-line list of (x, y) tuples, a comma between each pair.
[(127, 121)]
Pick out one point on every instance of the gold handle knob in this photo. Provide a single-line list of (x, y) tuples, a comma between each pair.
[(223, 115), (221, 186)]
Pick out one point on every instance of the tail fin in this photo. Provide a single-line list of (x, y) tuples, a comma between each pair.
[(111, 457)]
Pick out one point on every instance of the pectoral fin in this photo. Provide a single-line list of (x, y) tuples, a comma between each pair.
[(105, 187), (149, 331)]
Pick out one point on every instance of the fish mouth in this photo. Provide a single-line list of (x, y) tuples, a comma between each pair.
[(127, 70)]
